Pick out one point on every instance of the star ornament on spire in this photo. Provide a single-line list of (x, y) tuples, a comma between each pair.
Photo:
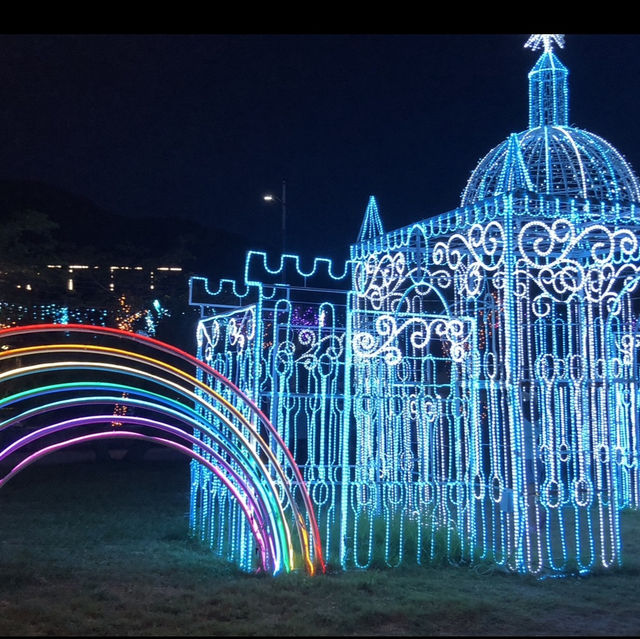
[(545, 40)]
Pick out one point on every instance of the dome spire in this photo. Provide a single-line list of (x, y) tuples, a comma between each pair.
[(548, 86), (371, 223), (514, 173), (551, 157)]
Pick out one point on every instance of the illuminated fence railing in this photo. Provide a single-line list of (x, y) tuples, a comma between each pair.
[(552, 286), (414, 438), (624, 400), (283, 344), (472, 396)]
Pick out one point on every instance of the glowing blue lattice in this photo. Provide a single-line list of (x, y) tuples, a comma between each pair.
[(282, 344), (554, 340), (467, 388)]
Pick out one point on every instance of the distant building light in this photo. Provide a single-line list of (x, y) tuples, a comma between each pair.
[(54, 265), (70, 284), (78, 266)]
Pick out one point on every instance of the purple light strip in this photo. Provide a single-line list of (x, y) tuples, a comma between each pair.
[(264, 507), (258, 531)]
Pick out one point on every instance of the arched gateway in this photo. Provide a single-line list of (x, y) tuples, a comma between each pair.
[(60, 383)]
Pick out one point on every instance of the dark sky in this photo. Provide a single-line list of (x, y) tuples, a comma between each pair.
[(200, 126)]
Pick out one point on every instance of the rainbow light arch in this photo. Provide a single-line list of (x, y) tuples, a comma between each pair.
[(224, 432)]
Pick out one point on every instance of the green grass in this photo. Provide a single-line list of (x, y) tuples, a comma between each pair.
[(102, 549)]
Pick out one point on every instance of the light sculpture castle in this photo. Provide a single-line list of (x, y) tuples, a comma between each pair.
[(465, 388)]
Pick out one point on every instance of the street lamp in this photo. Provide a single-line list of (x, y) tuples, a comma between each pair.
[(283, 201)]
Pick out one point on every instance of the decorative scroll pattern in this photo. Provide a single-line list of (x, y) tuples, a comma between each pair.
[(379, 280), (420, 332), (481, 246), (564, 261)]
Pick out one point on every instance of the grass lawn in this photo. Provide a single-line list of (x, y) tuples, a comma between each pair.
[(102, 549)]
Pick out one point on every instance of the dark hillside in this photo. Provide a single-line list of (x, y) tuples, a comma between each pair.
[(87, 232)]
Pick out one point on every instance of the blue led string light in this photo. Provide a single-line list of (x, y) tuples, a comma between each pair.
[(464, 388)]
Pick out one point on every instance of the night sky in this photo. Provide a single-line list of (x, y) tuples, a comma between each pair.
[(200, 126)]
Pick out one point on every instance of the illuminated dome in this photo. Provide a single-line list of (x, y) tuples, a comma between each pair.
[(551, 157)]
